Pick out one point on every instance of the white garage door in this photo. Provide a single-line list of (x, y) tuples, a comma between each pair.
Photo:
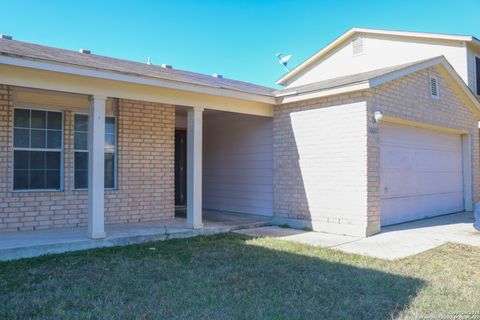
[(420, 173)]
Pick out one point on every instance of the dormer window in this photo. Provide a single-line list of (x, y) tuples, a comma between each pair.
[(357, 46)]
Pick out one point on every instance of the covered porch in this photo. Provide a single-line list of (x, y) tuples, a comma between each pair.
[(25, 244), (228, 168), (74, 205)]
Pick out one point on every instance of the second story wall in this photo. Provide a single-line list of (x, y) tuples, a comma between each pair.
[(380, 51), (472, 56)]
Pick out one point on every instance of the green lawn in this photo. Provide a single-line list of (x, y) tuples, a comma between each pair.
[(228, 276)]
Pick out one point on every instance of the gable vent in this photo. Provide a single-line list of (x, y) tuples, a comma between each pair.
[(434, 90), (357, 46)]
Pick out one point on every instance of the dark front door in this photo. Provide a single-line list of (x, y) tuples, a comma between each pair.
[(180, 167)]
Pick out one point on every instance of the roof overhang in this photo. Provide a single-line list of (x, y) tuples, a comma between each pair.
[(72, 82), (350, 33), (290, 95), (36, 64), (294, 96)]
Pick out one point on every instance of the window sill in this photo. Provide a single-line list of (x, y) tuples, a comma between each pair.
[(38, 190), (106, 189)]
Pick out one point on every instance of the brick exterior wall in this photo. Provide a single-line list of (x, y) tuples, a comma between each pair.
[(146, 183), (325, 151), (326, 160), (320, 163), (408, 98), (145, 172)]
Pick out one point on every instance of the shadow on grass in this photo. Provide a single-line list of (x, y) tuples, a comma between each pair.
[(214, 277)]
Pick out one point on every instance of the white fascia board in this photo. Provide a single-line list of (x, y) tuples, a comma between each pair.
[(374, 82), (136, 79), (346, 35), (313, 58), (294, 97), (475, 43), (463, 86), (442, 61), (410, 34)]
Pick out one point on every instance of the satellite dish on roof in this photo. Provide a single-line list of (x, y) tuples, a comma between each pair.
[(283, 60)]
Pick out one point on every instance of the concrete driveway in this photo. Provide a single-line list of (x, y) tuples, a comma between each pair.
[(394, 242)]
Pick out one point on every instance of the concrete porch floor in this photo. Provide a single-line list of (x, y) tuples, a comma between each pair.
[(24, 244), (394, 242)]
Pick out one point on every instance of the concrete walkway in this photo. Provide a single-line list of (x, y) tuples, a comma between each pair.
[(16, 245), (393, 242)]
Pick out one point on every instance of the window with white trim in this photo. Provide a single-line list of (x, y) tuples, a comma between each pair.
[(81, 152), (37, 149)]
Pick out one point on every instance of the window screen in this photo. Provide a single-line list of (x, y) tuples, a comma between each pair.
[(37, 149), (81, 151)]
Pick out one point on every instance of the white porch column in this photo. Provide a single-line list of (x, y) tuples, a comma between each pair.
[(194, 167), (96, 164)]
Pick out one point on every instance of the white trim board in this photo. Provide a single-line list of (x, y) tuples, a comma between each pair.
[(131, 78), (441, 61)]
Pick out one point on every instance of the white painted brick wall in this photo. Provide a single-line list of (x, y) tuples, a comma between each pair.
[(320, 156)]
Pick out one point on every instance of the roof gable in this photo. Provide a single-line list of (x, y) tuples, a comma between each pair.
[(347, 36), (375, 78)]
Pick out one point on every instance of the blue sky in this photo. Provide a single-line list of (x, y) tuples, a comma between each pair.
[(238, 39)]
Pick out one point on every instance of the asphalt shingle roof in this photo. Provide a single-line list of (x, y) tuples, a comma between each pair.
[(348, 80), (33, 51)]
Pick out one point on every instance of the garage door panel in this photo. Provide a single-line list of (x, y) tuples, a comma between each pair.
[(397, 184), (435, 182), (419, 137), (397, 210), (421, 173), (433, 160), (398, 157)]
